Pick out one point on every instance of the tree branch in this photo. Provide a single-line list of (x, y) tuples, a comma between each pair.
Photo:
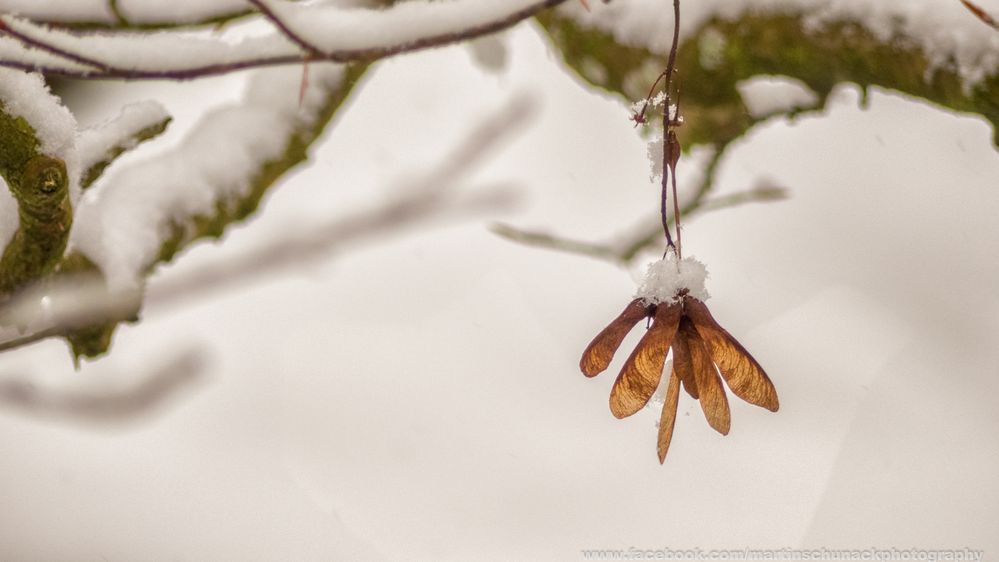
[(981, 14), (648, 231), (284, 29), (111, 71), (101, 152), (82, 309), (42, 45), (92, 404), (721, 53)]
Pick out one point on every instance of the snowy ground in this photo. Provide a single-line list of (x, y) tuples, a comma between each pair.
[(419, 399)]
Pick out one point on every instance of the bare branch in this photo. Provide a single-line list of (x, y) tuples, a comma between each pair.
[(32, 338), (102, 150), (107, 405)]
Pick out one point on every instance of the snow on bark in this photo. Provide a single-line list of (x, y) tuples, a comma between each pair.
[(27, 96), (945, 31), (770, 95), (123, 224), (340, 30)]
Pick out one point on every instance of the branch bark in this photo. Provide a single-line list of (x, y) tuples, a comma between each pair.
[(85, 67)]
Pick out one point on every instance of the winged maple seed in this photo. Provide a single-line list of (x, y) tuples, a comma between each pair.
[(672, 296)]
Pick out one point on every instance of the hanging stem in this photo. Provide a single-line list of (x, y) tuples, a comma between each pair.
[(663, 209), (671, 146)]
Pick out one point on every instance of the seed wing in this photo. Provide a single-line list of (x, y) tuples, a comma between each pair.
[(600, 352), (642, 371), (668, 418), (743, 374), (682, 366), (713, 401)]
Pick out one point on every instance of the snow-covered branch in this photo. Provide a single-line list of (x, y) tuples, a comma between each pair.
[(100, 146), (322, 32), (128, 14), (111, 236), (36, 143), (97, 290), (935, 51)]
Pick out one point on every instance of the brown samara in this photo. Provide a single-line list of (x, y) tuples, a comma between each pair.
[(701, 349)]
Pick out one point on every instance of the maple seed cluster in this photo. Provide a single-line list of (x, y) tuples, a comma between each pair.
[(701, 349)]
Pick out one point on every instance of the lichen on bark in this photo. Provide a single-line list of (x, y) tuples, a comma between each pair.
[(40, 185), (721, 53), (95, 170)]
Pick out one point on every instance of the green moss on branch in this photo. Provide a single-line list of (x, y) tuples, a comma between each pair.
[(722, 53), (95, 340), (40, 186), (96, 169)]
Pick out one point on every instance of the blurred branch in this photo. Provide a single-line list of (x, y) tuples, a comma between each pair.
[(185, 226), (720, 53), (108, 150), (648, 240), (82, 299), (649, 231), (119, 22), (93, 404)]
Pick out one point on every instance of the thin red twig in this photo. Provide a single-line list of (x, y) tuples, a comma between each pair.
[(981, 14), (283, 27), (31, 42)]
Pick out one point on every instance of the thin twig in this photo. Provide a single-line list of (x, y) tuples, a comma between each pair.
[(981, 14), (670, 143), (283, 27), (648, 231), (671, 61), (32, 42), (29, 339), (341, 56)]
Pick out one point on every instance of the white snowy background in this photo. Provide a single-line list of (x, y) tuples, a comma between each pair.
[(419, 398)]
